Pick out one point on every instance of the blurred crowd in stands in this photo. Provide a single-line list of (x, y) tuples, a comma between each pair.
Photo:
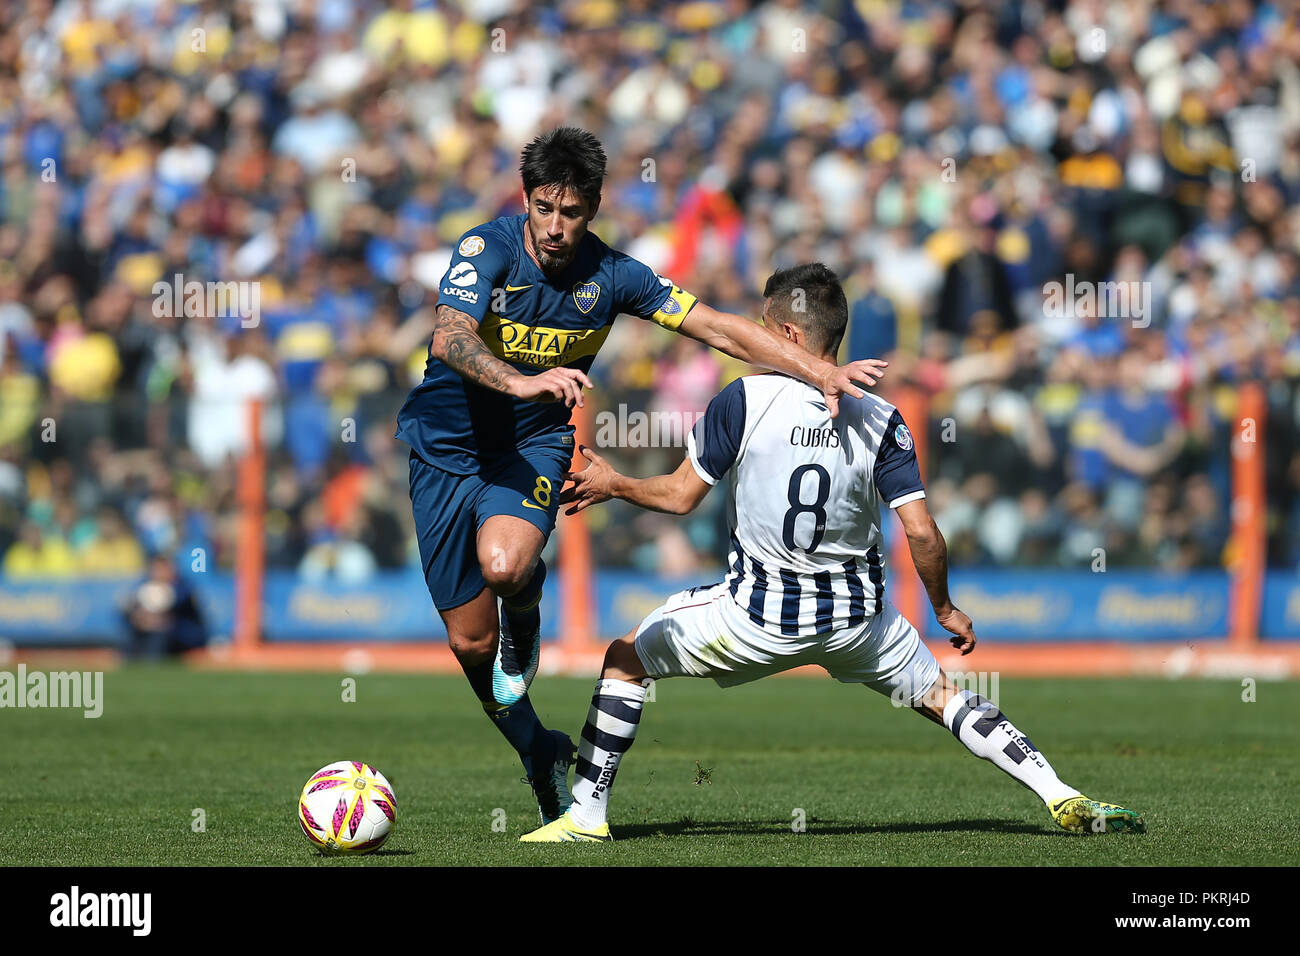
[(950, 160)]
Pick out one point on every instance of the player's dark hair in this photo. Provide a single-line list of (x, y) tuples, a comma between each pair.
[(568, 157), (810, 297)]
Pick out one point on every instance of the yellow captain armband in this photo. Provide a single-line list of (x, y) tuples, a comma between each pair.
[(674, 309)]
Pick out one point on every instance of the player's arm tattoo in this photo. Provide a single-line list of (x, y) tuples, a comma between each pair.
[(457, 344)]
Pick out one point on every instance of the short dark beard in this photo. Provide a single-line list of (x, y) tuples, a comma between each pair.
[(549, 263)]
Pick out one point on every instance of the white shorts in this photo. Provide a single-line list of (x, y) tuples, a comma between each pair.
[(702, 633)]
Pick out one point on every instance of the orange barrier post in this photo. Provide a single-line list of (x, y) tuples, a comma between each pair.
[(1249, 548), (909, 598), (577, 592), (250, 547)]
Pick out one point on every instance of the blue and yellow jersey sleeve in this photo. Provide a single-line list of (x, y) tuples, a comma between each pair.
[(479, 264), (644, 293)]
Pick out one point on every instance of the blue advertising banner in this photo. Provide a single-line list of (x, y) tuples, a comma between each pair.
[(62, 612), (1280, 619), (390, 607), (1013, 605), (624, 598), (1005, 604)]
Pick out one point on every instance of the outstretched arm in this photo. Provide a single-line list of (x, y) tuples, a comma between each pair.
[(930, 556), (761, 346), (675, 494), (457, 344)]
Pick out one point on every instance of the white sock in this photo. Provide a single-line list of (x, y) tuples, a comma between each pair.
[(609, 732), (987, 733)]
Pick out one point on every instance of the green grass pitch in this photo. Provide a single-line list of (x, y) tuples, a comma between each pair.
[(1215, 777)]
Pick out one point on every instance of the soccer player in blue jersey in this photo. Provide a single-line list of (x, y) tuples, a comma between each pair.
[(522, 311)]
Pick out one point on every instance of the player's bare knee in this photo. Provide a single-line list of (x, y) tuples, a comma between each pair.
[(934, 701), (504, 580), (505, 571), (622, 662), (472, 646)]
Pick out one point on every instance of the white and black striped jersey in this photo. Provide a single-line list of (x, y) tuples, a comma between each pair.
[(804, 506)]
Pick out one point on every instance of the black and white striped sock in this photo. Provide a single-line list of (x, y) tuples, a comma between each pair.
[(608, 734), (987, 733)]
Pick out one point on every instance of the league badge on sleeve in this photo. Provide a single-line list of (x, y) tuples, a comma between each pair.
[(471, 246), (903, 437)]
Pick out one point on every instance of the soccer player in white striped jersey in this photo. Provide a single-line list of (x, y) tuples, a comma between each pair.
[(805, 581)]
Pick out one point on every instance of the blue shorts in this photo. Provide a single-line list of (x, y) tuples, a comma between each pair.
[(449, 509)]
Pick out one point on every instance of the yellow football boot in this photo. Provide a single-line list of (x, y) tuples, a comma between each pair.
[(564, 830), (1084, 815)]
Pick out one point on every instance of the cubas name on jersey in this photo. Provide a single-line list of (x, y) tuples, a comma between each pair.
[(805, 499), (801, 436)]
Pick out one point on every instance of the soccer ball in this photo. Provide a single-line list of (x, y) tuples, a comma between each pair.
[(347, 807)]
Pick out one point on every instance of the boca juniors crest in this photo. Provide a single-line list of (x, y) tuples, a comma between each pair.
[(585, 295)]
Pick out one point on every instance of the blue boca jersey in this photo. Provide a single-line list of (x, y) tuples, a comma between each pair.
[(533, 322)]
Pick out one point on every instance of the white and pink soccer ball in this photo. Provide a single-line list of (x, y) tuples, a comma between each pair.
[(347, 807)]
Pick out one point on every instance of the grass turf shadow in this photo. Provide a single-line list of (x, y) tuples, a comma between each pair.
[(638, 831)]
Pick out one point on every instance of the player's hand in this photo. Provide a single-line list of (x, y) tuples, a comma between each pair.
[(958, 624), (553, 385), (841, 378), (590, 486)]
